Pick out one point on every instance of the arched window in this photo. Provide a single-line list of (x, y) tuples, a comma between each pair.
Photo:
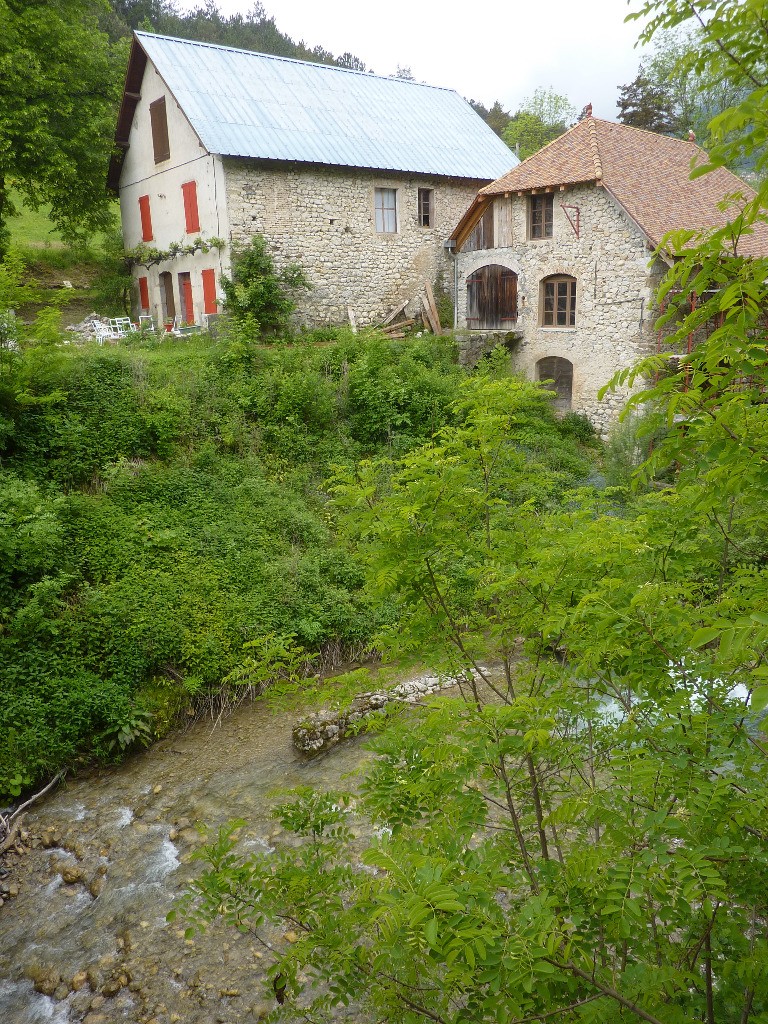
[(558, 301), (492, 299), (558, 373)]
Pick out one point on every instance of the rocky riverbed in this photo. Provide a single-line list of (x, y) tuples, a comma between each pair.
[(83, 930)]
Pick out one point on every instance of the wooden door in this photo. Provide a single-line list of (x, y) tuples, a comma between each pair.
[(492, 299), (166, 296)]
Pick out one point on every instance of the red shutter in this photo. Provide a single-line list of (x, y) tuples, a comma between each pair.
[(146, 219), (144, 292), (191, 216), (209, 292)]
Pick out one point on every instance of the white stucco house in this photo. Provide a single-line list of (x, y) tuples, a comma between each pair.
[(357, 178), (559, 257)]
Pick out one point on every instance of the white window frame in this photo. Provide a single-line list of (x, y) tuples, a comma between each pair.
[(385, 210)]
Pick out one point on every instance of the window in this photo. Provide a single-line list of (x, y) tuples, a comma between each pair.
[(146, 219), (191, 216), (540, 216), (385, 200), (559, 302), (558, 373), (209, 292), (492, 299), (143, 293), (159, 121), (426, 205)]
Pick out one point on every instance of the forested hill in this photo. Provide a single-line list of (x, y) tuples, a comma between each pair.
[(255, 30)]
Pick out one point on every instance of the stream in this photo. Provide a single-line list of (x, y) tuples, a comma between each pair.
[(85, 937)]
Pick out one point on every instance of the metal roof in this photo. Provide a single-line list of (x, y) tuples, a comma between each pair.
[(249, 104)]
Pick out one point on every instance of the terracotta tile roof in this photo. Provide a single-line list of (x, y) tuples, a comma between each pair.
[(648, 174)]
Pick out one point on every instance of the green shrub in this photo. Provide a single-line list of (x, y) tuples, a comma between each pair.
[(257, 296)]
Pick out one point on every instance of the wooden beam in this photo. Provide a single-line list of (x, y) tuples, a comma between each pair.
[(398, 309), (433, 307), (435, 328), (398, 326)]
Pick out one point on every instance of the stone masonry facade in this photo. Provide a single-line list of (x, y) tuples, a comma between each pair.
[(323, 219), (615, 283)]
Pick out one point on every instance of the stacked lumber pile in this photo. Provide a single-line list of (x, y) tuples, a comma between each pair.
[(395, 327)]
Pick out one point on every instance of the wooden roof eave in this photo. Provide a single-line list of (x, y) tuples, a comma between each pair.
[(134, 76), (471, 217)]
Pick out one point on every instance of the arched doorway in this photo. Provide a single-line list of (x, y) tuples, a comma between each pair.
[(558, 374), (492, 299)]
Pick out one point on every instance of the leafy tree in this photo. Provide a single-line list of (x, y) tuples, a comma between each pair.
[(580, 830), (551, 107), (645, 103), (60, 89), (540, 119), (526, 134), (495, 117), (669, 95)]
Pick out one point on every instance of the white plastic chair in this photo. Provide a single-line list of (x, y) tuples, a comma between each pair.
[(102, 332), (120, 325)]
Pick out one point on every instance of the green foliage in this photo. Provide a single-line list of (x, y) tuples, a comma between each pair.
[(61, 82), (257, 295), (647, 104), (12, 272), (586, 826), (164, 530), (143, 255), (541, 119)]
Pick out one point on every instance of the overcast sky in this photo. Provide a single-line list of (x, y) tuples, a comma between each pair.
[(499, 49)]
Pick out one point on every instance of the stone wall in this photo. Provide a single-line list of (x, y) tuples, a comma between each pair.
[(323, 219), (614, 295), (324, 729)]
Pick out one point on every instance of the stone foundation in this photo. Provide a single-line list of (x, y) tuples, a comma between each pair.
[(324, 729)]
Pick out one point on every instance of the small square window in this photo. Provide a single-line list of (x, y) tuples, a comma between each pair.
[(426, 207), (385, 201), (540, 216)]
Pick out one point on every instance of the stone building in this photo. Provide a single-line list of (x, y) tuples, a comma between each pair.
[(560, 257), (357, 178)]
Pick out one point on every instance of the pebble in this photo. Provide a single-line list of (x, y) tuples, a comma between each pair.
[(79, 980)]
